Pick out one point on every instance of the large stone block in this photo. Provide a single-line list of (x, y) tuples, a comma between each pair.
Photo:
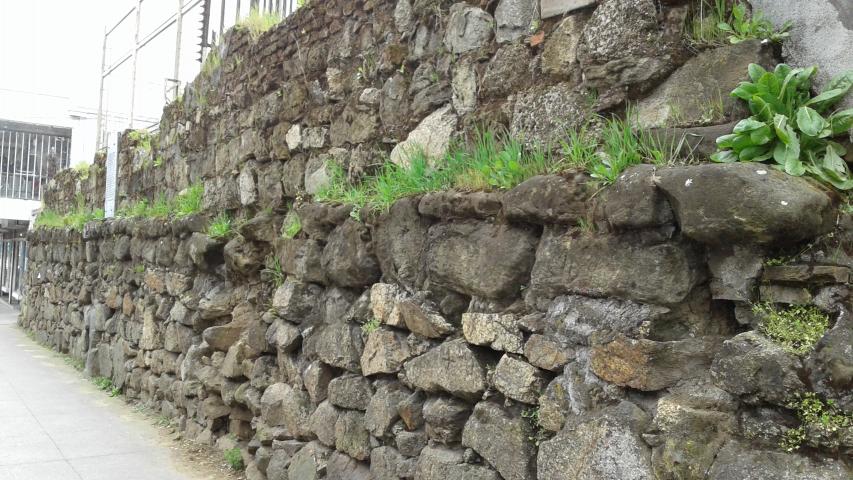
[(746, 203), (452, 367), (480, 259)]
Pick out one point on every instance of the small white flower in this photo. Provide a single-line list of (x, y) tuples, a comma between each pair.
[(688, 182)]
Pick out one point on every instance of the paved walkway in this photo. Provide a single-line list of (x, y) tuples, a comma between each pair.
[(55, 425)]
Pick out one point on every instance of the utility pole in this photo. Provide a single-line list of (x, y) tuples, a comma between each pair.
[(135, 56), (180, 24), (99, 125)]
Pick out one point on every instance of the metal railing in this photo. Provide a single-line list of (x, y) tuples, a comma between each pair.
[(229, 12), (29, 156), (13, 264)]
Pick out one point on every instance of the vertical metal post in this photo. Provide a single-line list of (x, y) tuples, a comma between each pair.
[(99, 124), (222, 18), (237, 12), (180, 27), (135, 57), (2, 160)]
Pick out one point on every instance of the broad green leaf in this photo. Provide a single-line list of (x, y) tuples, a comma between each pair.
[(741, 141), (756, 71), (761, 108), (745, 91), (802, 80), (726, 156), (782, 70), (739, 12), (839, 149), (747, 125), (831, 161), (726, 141), (724, 27), (810, 122), (780, 124), (749, 154), (761, 136), (841, 122), (788, 155), (845, 80), (827, 99)]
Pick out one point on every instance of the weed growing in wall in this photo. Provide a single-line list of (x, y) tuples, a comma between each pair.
[(370, 326), (818, 419), (141, 138), (186, 203), (273, 270), (258, 22), (713, 23), (234, 458), (790, 127), (292, 225), (82, 170), (220, 227), (212, 62), (797, 328)]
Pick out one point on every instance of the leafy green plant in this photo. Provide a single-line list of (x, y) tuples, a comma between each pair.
[(158, 162), (234, 458), (796, 328), (370, 326), (258, 22), (220, 227), (82, 169), (139, 268), (292, 225), (49, 219), (538, 434), (142, 139), (818, 418), (791, 127), (743, 26)]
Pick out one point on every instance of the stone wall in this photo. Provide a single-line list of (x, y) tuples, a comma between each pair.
[(555, 330)]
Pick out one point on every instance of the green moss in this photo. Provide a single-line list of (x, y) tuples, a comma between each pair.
[(797, 328), (292, 225)]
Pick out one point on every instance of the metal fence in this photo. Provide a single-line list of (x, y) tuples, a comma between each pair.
[(29, 156), (213, 17), (13, 264)]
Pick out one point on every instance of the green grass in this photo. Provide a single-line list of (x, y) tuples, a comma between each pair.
[(488, 161), (712, 23), (234, 458), (103, 383), (220, 227), (75, 219), (142, 138), (292, 225), (139, 268), (186, 203), (212, 62), (258, 22), (273, 269), (796, 328)]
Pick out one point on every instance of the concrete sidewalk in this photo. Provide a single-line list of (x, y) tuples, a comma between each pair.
[(55, 425)]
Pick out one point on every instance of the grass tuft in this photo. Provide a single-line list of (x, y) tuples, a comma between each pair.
[(220, 227), (258, 22), (234, 458)]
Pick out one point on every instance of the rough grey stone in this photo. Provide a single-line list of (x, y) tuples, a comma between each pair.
[(519, 380), (468, 28), (541, 115), (431, 137), (744, 202), (436, 463), (382, 410), (350, 391), (452, 367), (734, 272), (284, 405), (737, 460), (351, 437), (503, 439), (515, 18), (692, 94), (445, 417), (497, 331), (548, 199), (322, 423), (588, 321), (309, 463), (607, 445), (384, 352), (753, 367), (348, 258)]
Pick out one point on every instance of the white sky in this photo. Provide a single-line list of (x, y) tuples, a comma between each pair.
[(50, 57)]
